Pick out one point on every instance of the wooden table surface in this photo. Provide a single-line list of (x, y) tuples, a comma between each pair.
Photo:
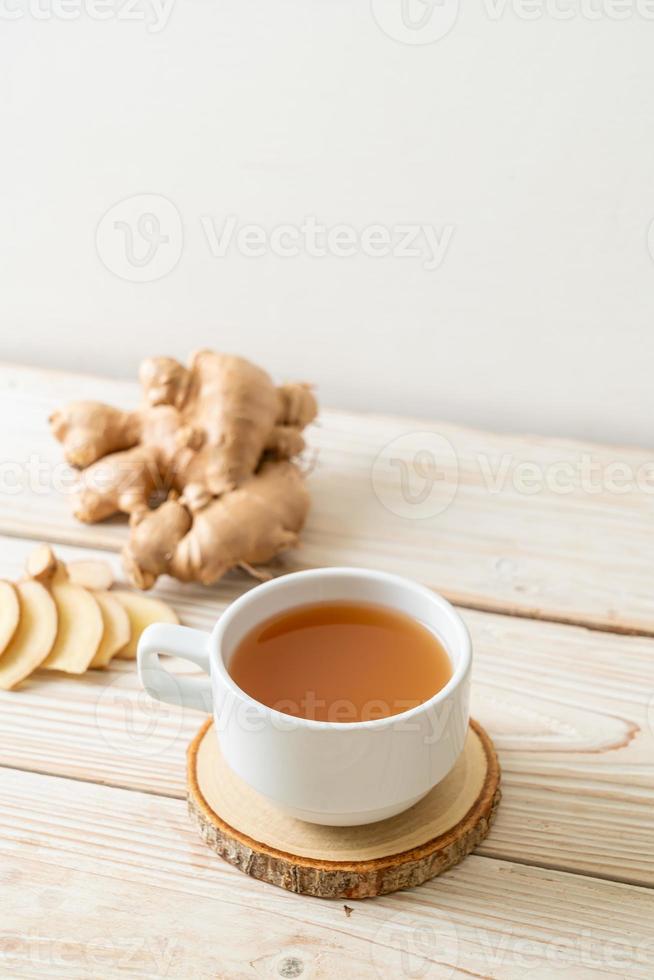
[(548, 548)]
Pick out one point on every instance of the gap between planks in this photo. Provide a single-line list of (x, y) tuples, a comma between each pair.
[(97, 781), (79, 539), (488, 852), (110, 852), (536, 616), (552, 866), (579, 557)]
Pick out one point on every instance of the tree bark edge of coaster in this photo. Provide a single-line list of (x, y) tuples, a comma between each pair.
[(237, 839)]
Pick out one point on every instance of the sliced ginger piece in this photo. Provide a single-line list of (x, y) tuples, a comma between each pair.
[(117, 628), (41, 564), (142, 610), (92, 574), (34, 637), (80, 628), (9, 613)]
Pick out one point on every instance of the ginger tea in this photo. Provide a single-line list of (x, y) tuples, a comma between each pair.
[(340, 662)]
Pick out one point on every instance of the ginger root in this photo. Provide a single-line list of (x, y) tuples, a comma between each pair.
[(203, 467), (248, 526)]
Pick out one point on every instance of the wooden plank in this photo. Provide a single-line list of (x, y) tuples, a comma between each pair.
[(99, 881), (571, 712), (538, 527)]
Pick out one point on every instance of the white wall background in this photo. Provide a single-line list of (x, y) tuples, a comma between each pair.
[(533, 139)]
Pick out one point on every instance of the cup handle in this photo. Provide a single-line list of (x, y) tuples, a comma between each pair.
[(178, 641)]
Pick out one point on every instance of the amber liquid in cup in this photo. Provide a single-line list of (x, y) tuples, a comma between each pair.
[(340, 662)]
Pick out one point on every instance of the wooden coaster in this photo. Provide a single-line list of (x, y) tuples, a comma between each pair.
[(249, 832)]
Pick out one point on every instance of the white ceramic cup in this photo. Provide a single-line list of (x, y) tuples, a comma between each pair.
[(323, 772)]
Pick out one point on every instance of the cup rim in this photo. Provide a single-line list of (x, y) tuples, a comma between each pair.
[(459, 672)]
